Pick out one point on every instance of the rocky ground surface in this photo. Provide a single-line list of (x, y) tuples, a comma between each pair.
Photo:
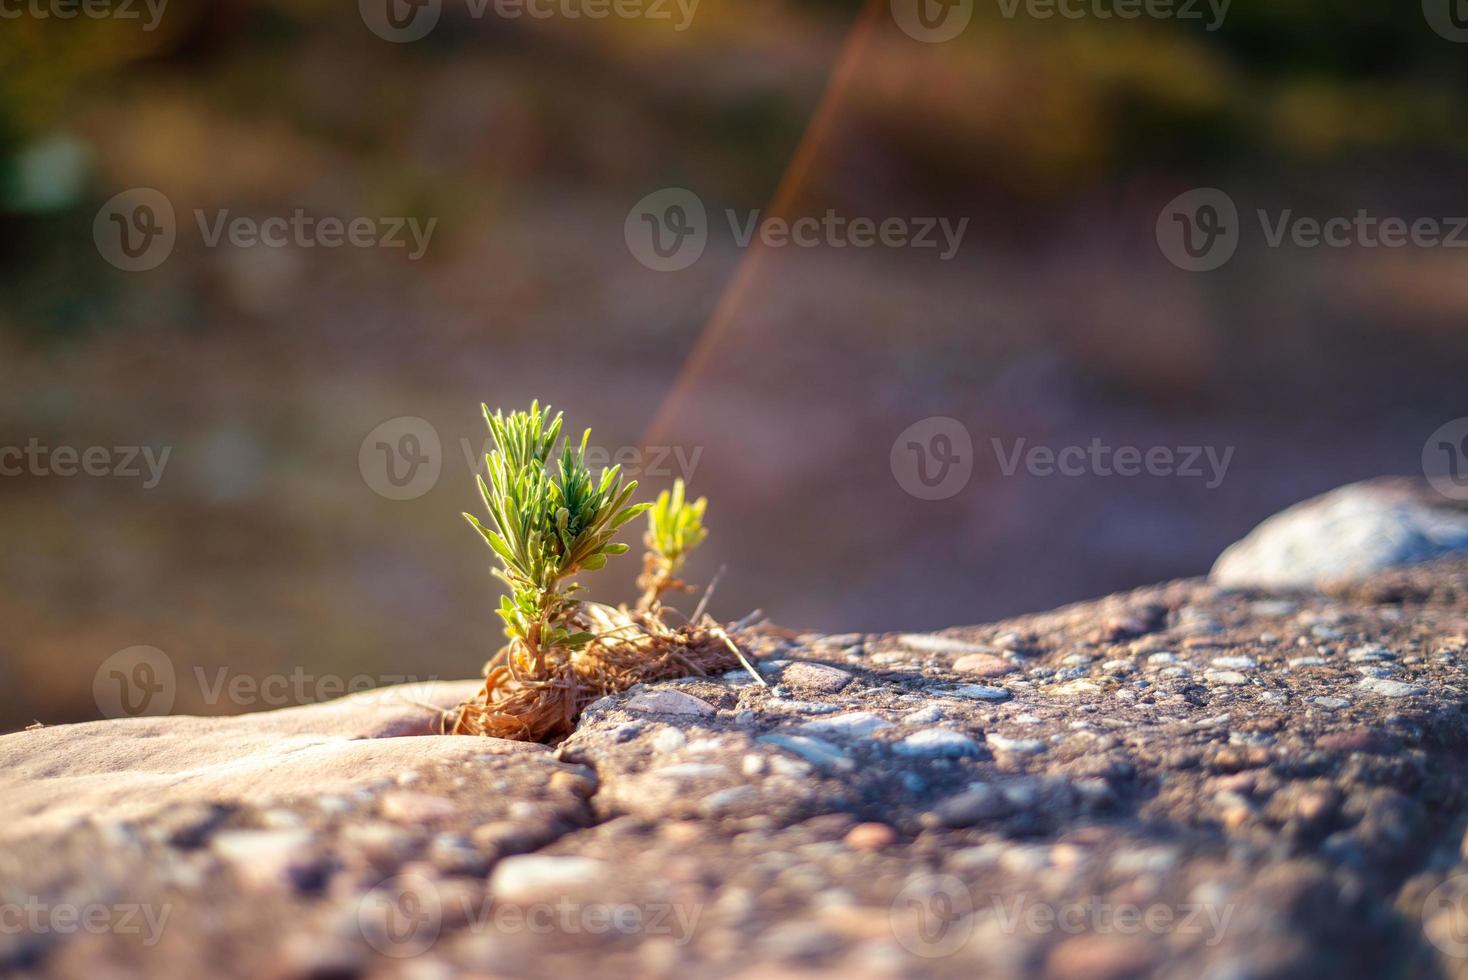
[(1179, 782)]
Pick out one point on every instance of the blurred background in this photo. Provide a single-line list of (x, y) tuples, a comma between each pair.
[(779, 380)]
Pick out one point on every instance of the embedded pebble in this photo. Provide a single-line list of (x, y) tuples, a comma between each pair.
[(1230, 678), (937, 743), (821, 754), (870, 837), (262, 857), (533, 877), (979, 802), (983, 665), (854, 724), (1019, 746), (924, 716), (670, 702), (932, 643), (819, 678), (690, 770), (406, 807), (454, 854), (1388, 688), (982, 692), (718, 803), (802, 707), (782, 765), (1370, 653), (1235, 663), (669, 740)]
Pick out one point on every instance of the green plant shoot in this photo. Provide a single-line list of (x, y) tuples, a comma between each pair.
[(551, 519), (674, 528)]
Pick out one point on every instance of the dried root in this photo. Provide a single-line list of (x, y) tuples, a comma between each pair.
[(537, 702)]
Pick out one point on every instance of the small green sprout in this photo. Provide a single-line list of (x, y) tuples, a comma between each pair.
[(551, 520), (674, 528)]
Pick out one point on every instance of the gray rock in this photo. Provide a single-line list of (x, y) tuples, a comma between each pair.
[(982, 692), (669, 740), (933, 643), (1344, 536), (935, 743), (669, 702), (538, 877), (1388, 688), (854, 724), (1228, 678), (978, 803), (817, 678), (1369, 653), (821, 754), (721, 802), (1019, 746)]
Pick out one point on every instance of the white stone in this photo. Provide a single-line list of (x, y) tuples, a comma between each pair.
[(669, 702), (261, 856), (823, 755), (854, 724), (1020, 746), (690, 770), (1231, 678), (538, 877), (933, 643), (936, 743), (669, 740), (1389, 688), (982, 692)]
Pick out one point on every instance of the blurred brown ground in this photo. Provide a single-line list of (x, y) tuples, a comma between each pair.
[(1059, 321)]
